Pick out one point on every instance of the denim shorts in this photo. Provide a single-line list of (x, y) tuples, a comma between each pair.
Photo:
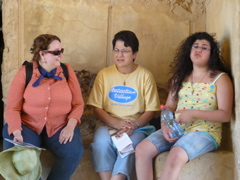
[(193, 143)]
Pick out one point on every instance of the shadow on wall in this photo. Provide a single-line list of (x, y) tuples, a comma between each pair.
[(226, 143)]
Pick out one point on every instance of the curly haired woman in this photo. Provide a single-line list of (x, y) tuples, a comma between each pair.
[(201, 93)]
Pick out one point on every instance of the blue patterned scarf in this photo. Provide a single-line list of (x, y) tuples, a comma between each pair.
[(46, 74)]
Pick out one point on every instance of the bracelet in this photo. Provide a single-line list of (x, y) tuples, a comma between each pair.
[(138, 125)]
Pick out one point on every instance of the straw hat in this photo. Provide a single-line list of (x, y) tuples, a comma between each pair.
[(21, 163)]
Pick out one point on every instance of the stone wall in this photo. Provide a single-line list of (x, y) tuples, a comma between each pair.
[(86, 28), (223, 19)]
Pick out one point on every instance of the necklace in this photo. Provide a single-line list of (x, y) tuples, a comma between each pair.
[(125, 76), (124, 79), (193, 89)]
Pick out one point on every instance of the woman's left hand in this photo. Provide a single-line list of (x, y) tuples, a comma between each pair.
[(185, 116), (67, 132), (129, 128), (129, 131), (66, 135)]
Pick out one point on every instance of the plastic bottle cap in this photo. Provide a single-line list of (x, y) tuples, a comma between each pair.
[(162, 106)]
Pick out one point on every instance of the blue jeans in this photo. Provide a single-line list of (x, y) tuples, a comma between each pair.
[(106, 157), (194, 143), (68, 155)]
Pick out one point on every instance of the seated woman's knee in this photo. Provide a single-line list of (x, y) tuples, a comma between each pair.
[(142, 149), (177, 154)]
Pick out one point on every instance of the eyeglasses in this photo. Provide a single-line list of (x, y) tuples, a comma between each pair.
[(123, 51), (201, 47), (55, 53)]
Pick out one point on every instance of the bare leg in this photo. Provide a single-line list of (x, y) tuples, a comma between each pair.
[(176, 159), (118, 177), (105, 175), (145, 152)]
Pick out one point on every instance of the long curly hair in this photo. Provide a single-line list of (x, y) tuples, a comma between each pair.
[(182, 66)]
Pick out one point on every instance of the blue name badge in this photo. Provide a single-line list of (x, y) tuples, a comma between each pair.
[(122, 94)]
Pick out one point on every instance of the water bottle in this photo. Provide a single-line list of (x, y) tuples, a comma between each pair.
[(168, 119)]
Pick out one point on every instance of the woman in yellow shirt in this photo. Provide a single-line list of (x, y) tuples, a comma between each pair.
[(124, 97)]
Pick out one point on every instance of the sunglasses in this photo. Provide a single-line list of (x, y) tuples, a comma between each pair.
[(55, 53)]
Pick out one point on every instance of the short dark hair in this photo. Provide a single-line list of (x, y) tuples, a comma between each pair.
[(129, 39)]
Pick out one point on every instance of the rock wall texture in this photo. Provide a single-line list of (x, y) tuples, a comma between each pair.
[(223, 19), (86, 28)]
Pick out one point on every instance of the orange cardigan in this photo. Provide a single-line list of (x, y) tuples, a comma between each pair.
[(49, 104)]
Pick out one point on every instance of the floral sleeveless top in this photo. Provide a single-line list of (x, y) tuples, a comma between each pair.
[(203, 98)]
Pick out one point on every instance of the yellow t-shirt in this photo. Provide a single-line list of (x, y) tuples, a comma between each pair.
[(203, 98), (124, 96)]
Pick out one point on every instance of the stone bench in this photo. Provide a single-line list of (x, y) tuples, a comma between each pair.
[(218, 165)]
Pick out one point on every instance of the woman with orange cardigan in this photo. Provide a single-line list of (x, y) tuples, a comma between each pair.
[(48, 110)]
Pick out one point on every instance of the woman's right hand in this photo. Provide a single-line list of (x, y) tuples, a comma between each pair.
[(17, 136), (123, 124), (166, 131)]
